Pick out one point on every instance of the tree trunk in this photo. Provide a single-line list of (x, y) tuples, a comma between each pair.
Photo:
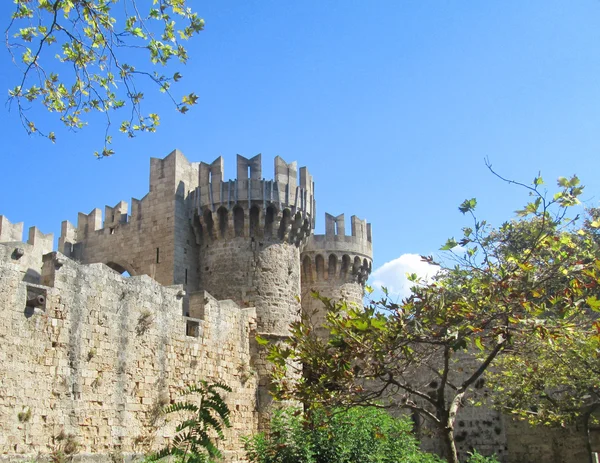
[(588, 442), (450, 444)]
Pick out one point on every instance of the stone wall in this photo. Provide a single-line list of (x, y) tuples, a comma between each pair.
[(153, 238), (101, 356), (492, 433)]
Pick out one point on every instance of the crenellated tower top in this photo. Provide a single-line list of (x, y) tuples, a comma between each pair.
[(337, 254), (251, 206)]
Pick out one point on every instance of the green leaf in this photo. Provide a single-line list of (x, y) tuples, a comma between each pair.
[(594, 303), (478, 343), (190, 99), (451, 243), (262, 341), (467, 205)]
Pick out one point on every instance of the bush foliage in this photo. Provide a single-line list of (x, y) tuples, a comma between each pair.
[(359, 434)]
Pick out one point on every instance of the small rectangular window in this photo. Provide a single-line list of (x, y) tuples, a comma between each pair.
[(192, 328), (186, 276), (158, 255)]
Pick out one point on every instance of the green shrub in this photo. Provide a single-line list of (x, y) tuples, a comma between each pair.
[(475, 457), (365, 435)]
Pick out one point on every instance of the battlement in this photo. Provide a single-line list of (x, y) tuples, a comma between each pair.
[(13, 233), (287, 190), (251, 206), (247, 206), (94, 223), (335, 238), (10, 232), (337, 255)]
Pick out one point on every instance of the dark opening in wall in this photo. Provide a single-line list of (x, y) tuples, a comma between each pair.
[(285, 222), (158, 255), (192, 328), (345, 264), (223, 221), (210, 225), (356, 266), (332, 266), (320, 264), (238, 221), (186, 276), (306, 269), (269, 220), (254, 220)]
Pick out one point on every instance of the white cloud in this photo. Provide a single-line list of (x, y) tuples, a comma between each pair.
[(392, 274)]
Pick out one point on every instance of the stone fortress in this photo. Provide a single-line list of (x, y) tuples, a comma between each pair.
[(88, 352), (213, 263)]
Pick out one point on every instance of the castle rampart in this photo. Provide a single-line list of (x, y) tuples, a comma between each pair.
[(213, 263), (103, 353)]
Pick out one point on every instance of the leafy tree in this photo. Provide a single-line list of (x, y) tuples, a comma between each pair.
[(428, 352), (194, 441), (553, 381), (84, 56)]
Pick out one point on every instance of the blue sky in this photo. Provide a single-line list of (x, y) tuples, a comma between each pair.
[(392, 105)]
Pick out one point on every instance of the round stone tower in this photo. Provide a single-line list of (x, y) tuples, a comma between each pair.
[(335, 265), (250, 231)]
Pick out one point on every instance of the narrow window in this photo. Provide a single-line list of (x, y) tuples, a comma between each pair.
[(158, 255), (186, 276), (192, 328)]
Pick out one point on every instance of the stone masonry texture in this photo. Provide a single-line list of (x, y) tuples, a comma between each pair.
[(146, 298)]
